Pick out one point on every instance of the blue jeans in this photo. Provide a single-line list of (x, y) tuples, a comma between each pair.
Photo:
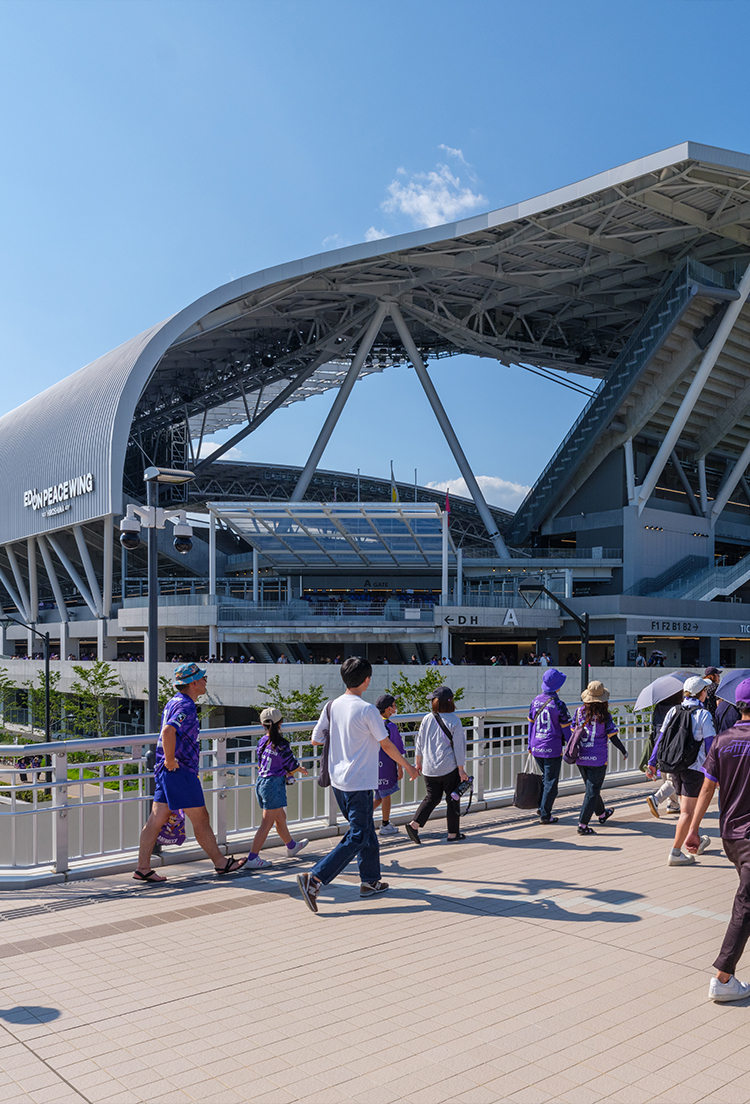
[(550, 781), (592, 799), (361, 840)]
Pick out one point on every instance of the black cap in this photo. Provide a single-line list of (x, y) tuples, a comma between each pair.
[(384, 701), (712, 671), (442, 693)]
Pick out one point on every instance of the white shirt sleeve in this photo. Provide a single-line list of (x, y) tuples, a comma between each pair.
[(321, 728), (459, 742), (419, 742), (376, 724)]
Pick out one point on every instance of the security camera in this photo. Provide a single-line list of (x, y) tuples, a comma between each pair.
[(183, 538), (130, 534)]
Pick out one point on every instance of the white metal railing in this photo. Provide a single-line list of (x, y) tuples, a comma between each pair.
[(86, 809)]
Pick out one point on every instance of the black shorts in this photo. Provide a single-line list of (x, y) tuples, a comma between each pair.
[(688, 783)]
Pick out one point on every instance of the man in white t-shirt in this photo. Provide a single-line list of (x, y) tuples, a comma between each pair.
[(357, 733)]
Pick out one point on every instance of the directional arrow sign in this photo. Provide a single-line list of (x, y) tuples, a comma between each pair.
[(449, 620)]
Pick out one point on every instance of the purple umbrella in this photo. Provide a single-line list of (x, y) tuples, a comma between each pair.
[(728, 685)]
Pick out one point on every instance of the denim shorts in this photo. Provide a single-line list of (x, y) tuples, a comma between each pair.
[(180, 789), (271, 792), (388, 789)]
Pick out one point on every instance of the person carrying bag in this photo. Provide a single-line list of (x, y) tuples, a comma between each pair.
[(549, 728)]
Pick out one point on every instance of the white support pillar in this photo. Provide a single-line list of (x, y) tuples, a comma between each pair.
[(14, 595), (689, 492), (730, 482), (255, 576), (338, 405), (33, 581), (568, 582), (109, 564), (702, 485), (88, 567), (459, 576), (445, 643), (20, 584), (212, 629), (629, 471), (54, 582), (75, 578), (705, 368), (448, 432)]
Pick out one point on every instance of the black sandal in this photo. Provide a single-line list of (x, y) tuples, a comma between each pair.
[(151, 877), (233, 865), (548, 820), (584, 830), (455, 839)]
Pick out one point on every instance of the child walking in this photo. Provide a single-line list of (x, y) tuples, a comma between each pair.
[(390, 772), (276, 763)]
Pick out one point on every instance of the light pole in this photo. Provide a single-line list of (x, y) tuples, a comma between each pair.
[(5, 622), (582, 620), (152, 517)]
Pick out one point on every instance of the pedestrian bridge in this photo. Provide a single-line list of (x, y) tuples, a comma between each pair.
[(82, 817)]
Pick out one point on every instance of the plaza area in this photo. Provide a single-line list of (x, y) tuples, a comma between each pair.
[(527, 964)]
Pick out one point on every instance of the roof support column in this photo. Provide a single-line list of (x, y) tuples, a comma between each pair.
[(629, 471), (338, 405), (109, 556), (14, 596), (54, 582), (445, 638), (75, 578), (212, 628), (88, 567), (686, 484), (33, 581), (705, 368), (702, 485), (448, 432), (26, 607), (729, 483)]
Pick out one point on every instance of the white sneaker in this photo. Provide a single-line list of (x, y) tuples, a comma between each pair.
[(299, 845), (674, 809), (388, 830), (731, 990), (653, 808), (258, 864), (704, 845), (681, 859)]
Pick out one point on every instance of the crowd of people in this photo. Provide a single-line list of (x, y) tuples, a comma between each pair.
[(698, 743)]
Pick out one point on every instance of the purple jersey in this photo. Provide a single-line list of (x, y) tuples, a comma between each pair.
[(595, 740), (181, 713), (550, 726), (275, 762), (387, 767)]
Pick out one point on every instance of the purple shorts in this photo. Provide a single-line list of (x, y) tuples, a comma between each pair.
[(180, 789)]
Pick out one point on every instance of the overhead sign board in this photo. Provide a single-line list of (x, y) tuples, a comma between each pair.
[(458, 618)]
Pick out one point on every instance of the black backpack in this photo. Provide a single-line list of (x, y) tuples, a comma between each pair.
[(678, 748)]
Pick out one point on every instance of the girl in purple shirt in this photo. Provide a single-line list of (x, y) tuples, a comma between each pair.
[(276, 763), (599, 728)]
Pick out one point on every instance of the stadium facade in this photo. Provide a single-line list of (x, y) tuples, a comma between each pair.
[(637, 278)]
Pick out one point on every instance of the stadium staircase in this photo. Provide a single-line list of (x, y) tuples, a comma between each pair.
[(661, 318), (708, 583)]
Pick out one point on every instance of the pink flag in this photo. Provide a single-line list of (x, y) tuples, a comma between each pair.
[(447, 503)]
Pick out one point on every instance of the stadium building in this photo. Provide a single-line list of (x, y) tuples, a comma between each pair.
[(637, 278)]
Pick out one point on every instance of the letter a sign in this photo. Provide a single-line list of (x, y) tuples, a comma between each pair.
[(510, 618)]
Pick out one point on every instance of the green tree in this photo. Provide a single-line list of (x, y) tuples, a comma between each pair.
[(37, 701), (413, 695), (7, 689), (94, 698), (297, 705)]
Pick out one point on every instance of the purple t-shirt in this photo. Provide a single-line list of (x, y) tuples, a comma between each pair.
[(387, 767), (595, 740), (181, 713), (275, 762), (728, 763), (550, 726)]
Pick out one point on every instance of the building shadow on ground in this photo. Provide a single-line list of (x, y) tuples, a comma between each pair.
[(29, 1014)]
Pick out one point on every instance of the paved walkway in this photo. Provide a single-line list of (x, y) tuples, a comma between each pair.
[(528, 964)]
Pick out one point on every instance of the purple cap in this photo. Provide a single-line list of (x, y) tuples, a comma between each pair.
[(553, 679), (742, 692), (712, 671)]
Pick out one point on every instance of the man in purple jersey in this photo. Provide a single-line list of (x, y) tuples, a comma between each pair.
[(549, 729), (176, 774), (728, 767)]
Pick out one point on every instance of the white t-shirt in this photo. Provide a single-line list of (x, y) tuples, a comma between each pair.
[(356, 732)]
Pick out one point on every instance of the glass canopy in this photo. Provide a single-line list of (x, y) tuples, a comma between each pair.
[(293, 535)]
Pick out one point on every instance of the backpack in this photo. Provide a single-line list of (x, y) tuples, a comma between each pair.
[(678, 748)]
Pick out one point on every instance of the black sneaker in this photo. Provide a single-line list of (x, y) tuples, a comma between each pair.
[(309, 890)]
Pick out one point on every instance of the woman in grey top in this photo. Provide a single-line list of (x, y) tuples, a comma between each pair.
[(440, 757)]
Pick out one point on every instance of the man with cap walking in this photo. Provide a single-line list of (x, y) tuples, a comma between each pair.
[(176, 773), (713, 676), (687, 780), (549, 728), (728, 767)]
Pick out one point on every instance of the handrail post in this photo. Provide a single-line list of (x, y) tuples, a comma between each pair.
[(60, 812), (478, 760), (332, 808), (220, 789)]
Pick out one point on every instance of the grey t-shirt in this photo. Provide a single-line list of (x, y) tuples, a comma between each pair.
[(438, 756)]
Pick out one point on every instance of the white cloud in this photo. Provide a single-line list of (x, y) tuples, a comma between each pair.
[(209, 447), (498, 492), (335, 241), (431, 198), (457, 153), (375, 235)]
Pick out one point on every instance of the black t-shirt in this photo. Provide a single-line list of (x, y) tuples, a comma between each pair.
[(728, 763)]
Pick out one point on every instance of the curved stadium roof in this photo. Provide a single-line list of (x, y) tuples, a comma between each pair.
[(557, 283)]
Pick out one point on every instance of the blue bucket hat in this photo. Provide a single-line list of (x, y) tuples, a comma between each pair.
[(553, 679), (187, 673)]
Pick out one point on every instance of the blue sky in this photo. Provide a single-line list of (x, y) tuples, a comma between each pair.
[(152, 151)]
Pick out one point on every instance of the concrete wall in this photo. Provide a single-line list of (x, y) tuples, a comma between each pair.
[(236, 685)]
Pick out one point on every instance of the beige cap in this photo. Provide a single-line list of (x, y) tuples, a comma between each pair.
[(271, 716)]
